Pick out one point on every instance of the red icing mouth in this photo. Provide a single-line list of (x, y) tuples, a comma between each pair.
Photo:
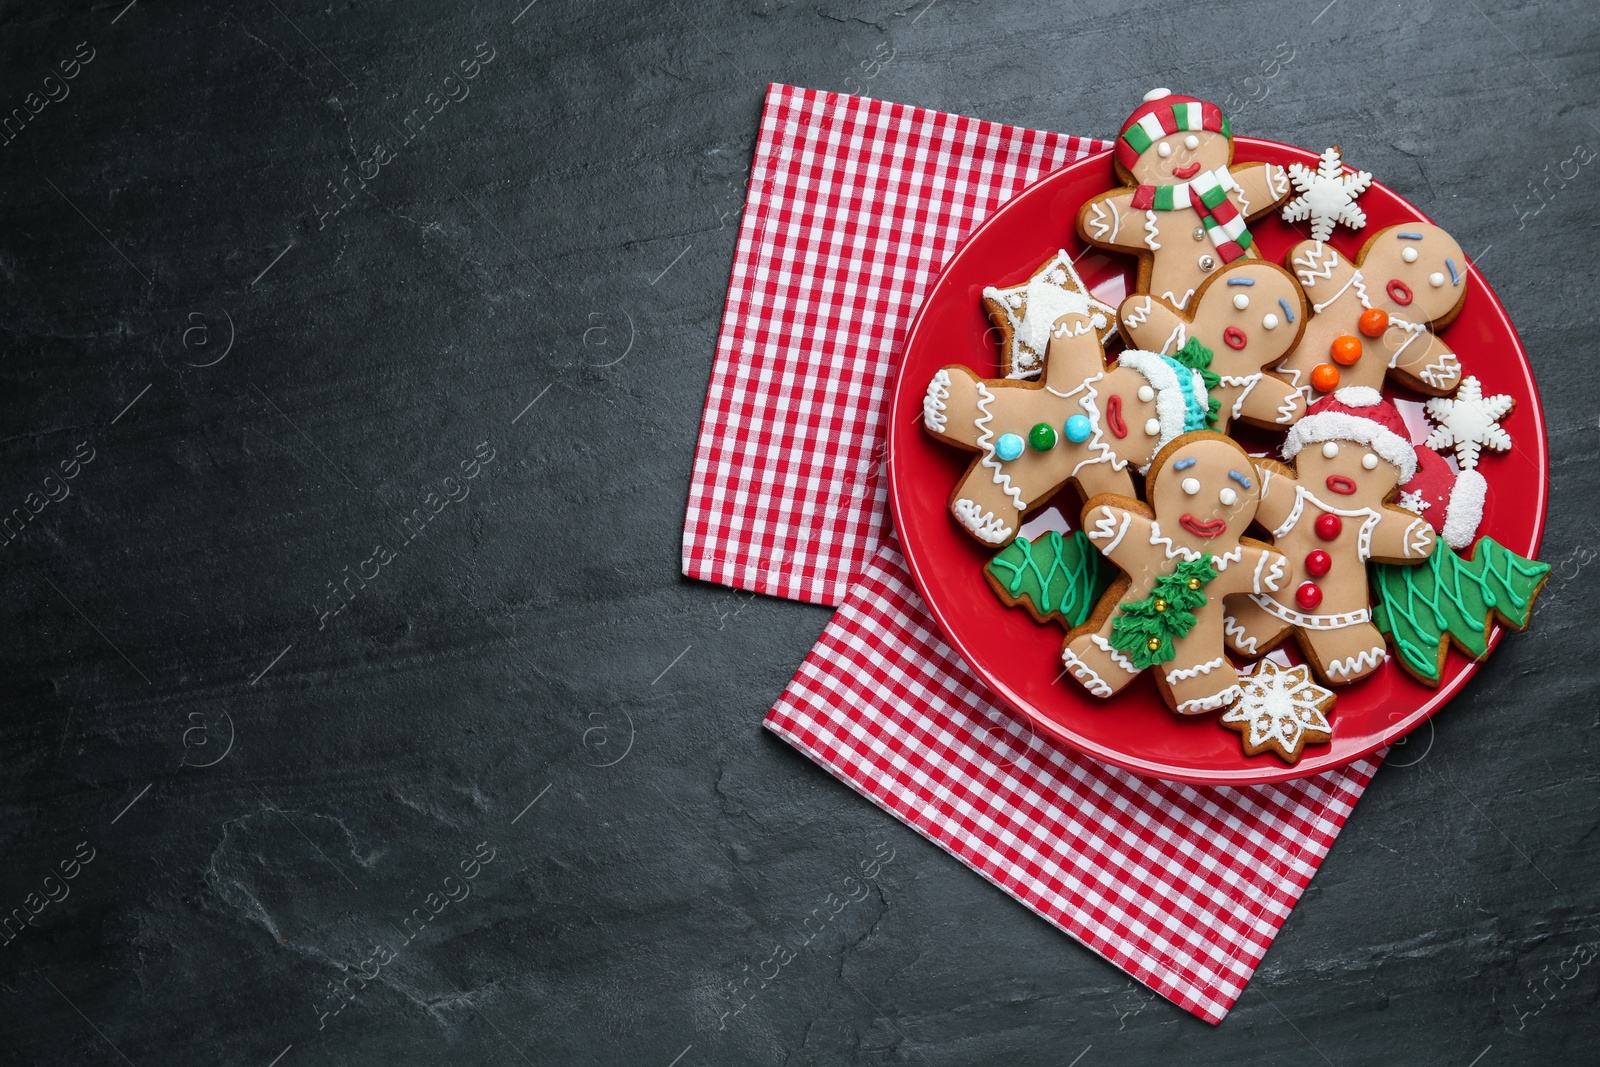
[(1234, 337), (1398, 291), (1185, 173), (1338, 483), (1114, 421), (1203, 529)]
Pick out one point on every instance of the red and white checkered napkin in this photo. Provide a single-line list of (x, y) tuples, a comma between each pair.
[(1183, 887), (854, 206)]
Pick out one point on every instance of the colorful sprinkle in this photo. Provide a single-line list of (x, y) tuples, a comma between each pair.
[(1042, 437), (1078, 429), (1009, 447)]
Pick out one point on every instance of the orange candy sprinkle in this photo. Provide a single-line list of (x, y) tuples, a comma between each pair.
[(1325, 377), (1346, 350), (1374, 321)]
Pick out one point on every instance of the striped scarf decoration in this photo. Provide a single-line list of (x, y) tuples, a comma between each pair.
[(1208, 195)]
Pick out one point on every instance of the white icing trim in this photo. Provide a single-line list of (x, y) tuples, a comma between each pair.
[(1190, 555), (1311, 266), (1138, 315), (986, 443), (1418, 538), (1249, 381), (1175, 340), (1358, 665), (1150, 232), (1268, 578), (1185, 673), (933, 404), (988, 527), (1339, 426), (1098, 225), (1116, 657), (1104, 527), (1242, 639), (1179, 302), (1464, 512), (1211, 703), (1084, 673), (1311, 622)]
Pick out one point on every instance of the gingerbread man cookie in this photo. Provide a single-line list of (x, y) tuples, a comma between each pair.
[(1180, 556), (1184, 208), (1330, 514), (1248, 316), (1376, 317), (1080, 422)]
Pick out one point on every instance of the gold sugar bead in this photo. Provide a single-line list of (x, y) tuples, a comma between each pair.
[(1161, 605), (1194, 583), (1154, 644)]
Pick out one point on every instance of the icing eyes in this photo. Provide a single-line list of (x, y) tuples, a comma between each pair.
[(1409, 255), (1436, 279), (1163, 150), (1146, 393), (1191, 142), (1269, 322), (1241, 301), (1330, 449), (1228, 497), (1191, 486), (1153, 427), (1369, 461)]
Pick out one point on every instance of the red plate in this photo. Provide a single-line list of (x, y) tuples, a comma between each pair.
[(1020, 659)]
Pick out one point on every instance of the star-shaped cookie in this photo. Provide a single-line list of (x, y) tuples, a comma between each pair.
[(1025, 313), (1281, 710), (1470, 422)]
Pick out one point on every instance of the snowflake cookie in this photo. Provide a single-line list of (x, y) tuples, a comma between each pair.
[(1327, 195), (1469, 422), (1281, 710)]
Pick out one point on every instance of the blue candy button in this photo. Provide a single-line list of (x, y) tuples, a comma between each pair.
[(1009, 446), (1078, 429)]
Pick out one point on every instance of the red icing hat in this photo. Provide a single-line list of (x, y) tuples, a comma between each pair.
[(1162, 113), (1361, 414), (1451, 501)]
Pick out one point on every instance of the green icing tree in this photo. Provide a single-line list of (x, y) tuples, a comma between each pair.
[(1164, 616), (1422, 608), (1055, 576)]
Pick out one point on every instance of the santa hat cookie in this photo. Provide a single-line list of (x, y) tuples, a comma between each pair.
[(1359, 414), (1182, 402), (1451, 501), (1164, 113)]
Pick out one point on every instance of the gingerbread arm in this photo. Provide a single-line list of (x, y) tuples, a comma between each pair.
[(1119, 527), (1152, 325), (1279, 493), (1326, 276), (1398, 537), (1421, 360), (1075, 354), (1262, 187), (1271, 402), (1261, 570), (1109, 221)]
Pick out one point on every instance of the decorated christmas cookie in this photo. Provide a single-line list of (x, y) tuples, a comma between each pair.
[(1281, 710), (1329, 515), (1025, 313), (1081, 423), (1184, 209), (1055, 577), (1375, 317), (1248, 316), (1327, 195), (1452, 600), (1470, 422), (1180, 556)]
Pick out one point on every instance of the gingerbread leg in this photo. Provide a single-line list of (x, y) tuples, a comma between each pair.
[(1249, 629), (1201, 687), (984, 507), (1345, 655), (1101, 669)]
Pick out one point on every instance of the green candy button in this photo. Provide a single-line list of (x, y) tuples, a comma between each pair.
[(1042, 437)]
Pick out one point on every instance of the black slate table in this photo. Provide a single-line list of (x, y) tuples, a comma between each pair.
[(355, 709)]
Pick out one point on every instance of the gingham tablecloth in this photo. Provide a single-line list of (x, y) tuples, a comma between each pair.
[(854, 205)]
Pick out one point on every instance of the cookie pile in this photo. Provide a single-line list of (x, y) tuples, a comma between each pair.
[(1356, 529)]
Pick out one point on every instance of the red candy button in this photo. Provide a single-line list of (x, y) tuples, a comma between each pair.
[(1328, 526), (1308, 596), (1319, 562)]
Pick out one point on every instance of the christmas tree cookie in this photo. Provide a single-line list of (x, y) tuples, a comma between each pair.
[(1180, 555)]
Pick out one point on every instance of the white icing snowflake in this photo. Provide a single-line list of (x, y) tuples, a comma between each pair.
[(1327, 195), (1469, 421), (1413, 502), (1280, 709), (1032, 308)]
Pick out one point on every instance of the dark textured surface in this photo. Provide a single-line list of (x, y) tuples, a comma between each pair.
[(563, 233)]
